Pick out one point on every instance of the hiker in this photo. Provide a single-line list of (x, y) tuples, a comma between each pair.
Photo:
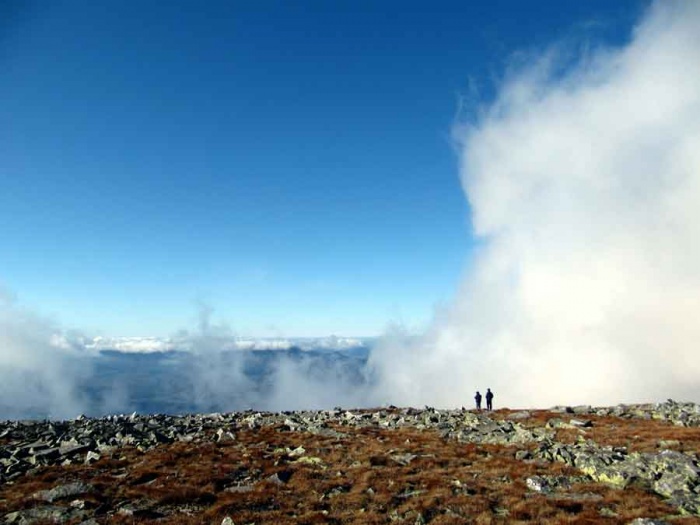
[(489, 399), (477, 398)]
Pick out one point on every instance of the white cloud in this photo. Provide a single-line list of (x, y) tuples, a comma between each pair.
[(585, 187), (39, 366)]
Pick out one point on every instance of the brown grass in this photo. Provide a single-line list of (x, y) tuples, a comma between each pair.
[(637, 435), (357, 481)]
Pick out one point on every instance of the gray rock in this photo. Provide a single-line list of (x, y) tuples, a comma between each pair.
[(523, 414), (239, 488), (72, 447), (40, 514), (538, 484), (671, 474), (91, 457), (581, 423), (64, 491), (44, 455), (224, 436), (402, 459), (522, 455), (555, 422), (280, 478), (547, 484)]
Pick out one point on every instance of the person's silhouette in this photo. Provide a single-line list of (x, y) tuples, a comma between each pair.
[(477, 398), (489, 399)]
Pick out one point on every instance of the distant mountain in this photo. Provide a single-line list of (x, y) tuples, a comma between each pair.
[(191, 343)]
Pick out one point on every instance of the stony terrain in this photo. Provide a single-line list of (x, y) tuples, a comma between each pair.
[(623, 464)]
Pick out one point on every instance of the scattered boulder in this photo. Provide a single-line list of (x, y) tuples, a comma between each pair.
[(280, 478), (523, 414), (43, 514), (581, 423), (68, 490), (673, 475), (403, 459), (91, 457), (548, 484)]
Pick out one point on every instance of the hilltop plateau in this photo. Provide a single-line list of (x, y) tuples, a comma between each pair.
[(622, 464)]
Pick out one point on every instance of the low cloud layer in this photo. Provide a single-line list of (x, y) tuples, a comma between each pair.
[(40, 367), (584, 186)]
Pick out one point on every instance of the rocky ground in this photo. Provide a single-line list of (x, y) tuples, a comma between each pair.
[(624, 464)]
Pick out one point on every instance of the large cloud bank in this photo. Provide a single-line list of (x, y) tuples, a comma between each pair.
[(584, 185)]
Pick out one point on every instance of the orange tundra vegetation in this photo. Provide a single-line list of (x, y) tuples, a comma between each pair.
[(366, 476)]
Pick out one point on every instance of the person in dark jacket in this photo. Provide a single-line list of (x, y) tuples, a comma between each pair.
[(477, 398), (489, 399)]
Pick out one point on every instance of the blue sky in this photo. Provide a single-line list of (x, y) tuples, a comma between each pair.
[(287, 163)]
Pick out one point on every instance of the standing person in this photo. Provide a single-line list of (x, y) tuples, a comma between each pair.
[(477, 398), (489, 399)]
